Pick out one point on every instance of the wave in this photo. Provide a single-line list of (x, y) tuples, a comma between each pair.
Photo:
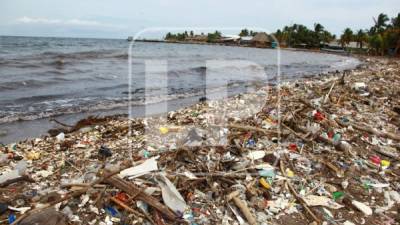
[(62, 58), (14, 85), (46, 106)]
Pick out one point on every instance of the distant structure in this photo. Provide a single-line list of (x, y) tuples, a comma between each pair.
[(197, 38), (261, 40), (246, 40), (258, 40), (230, 39)]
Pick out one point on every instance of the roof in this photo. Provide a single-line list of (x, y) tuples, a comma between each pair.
[(231, 37), (261, 37), (352, 44), (247, 38)]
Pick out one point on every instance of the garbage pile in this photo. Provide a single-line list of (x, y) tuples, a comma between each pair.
[(322, 150)]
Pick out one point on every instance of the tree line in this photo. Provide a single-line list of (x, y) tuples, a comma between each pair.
[(210, 37), (383, 37)]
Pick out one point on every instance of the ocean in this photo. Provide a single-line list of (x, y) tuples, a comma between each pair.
[(43, 77)]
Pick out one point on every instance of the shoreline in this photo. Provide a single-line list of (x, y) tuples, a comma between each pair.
[(345, 53), (22, 129), (311, 156)]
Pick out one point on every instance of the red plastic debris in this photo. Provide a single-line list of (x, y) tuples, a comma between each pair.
[(122, 197), (330, 134), (318, 116), (375, 159), (292, 147)]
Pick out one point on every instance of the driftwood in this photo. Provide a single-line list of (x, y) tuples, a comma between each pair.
[(387, 154), (89, 121), (135, 191), (18, 179), (67, 196), (289, 186), (255, 129), (361, 127), (338, 172), (371, 130), (129, 209), (243, 207)]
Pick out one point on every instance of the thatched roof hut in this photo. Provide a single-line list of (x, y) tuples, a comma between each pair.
[(261, 39)]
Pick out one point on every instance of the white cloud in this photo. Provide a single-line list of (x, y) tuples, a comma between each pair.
[(26, 19), (70, 22)]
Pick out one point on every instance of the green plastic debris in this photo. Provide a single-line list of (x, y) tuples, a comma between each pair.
[(337, 195)]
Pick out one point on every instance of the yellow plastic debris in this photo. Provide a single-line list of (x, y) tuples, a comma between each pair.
[(289, 173), (264, 183), (385, 163), (164, 130), (33, 155)]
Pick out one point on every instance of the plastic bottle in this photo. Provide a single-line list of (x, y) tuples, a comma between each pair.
[(21, 167), (3, 159)]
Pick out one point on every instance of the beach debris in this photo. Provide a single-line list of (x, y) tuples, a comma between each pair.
[(60, 136), (314, 200), (242, 206), (329, 150), (362, 207), (45, 217), (171, 197), (147, 166), (255, 155), (11, 175), (3, 208), (105, 152)]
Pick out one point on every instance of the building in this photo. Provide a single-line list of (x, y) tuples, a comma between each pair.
[(352, 44), (229, 39), (246, 40), (261, 40), (197, 38)]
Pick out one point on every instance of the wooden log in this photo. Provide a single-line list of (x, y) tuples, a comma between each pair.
[(243, 207), (133, 190), (129, 209)]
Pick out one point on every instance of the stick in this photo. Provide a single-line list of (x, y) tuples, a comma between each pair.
[(15, 180), (362, 127), (251, 128), (243, 207), (371, 130), (297, 196), (339, 172), (61, 123), (133, 190), (385, 153), (302, 202), (66, 197), (129, 209), (296, 134), (330, 90)]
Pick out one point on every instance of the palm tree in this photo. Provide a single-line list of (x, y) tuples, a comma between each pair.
[(318, 28), (361, 37), (346, 37), (318, 34), (381, 22), (244, 33), (396, 22), (376, 43), (327, 36)]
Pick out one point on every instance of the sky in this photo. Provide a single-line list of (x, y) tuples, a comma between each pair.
[(122, 18)]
